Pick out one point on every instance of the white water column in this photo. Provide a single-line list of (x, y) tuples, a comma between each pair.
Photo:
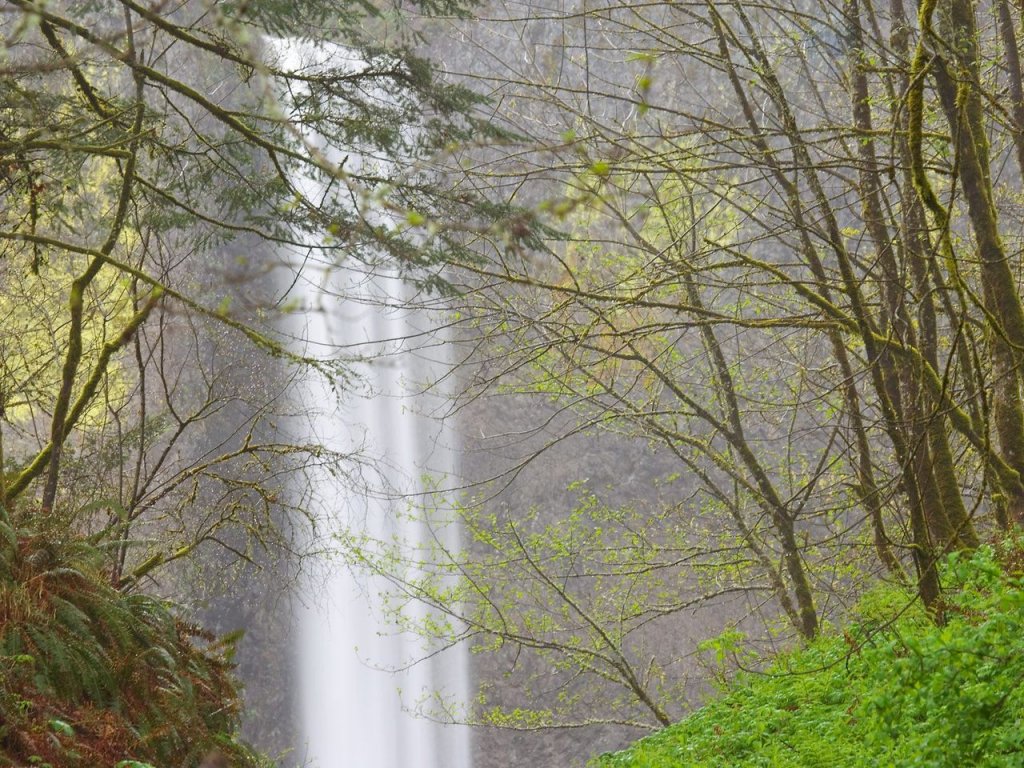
[(354, 707), (355, 713)]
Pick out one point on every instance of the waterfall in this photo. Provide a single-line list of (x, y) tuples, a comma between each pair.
[(351, 711), (352, 714)]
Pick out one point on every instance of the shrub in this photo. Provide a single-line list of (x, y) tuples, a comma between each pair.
[(893, 689), (90, 676)]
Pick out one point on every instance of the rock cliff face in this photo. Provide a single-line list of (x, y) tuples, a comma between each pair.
[(251, 593), (625, 472)]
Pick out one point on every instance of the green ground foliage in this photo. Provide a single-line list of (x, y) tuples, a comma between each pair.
[(893, 689), (90, 676)]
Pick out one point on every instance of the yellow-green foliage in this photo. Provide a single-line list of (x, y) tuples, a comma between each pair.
[(33, 315), (36, 286)]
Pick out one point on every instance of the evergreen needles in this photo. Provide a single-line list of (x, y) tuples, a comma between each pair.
[(90, 676)]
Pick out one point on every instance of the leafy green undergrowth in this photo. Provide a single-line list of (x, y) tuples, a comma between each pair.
[(90, 676), (894, 689)]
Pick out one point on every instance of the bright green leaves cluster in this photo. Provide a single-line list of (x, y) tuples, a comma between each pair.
[(588, 594), (893, 689)]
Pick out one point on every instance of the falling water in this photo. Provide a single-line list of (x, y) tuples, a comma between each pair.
[(352, 712), (354, 706)]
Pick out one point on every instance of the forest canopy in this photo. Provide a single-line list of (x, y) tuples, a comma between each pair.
[(777, 245), (787, 263)]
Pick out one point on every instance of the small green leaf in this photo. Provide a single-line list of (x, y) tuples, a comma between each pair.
[(61, 728)]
